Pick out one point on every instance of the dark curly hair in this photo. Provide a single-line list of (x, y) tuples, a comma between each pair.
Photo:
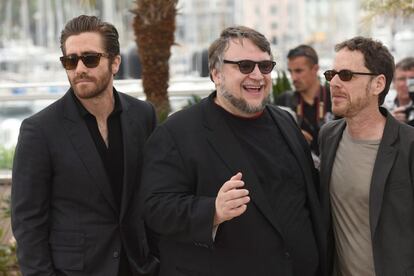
[(377, 58)]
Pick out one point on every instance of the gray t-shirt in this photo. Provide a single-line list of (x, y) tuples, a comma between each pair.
[(349, 194)]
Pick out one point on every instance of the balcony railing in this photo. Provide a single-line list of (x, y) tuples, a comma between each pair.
[(178, 87)]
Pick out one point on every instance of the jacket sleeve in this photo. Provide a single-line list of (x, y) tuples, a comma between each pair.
[(412, 163), (172, 207), (30, 199)]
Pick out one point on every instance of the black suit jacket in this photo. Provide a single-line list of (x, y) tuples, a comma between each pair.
[(391, 206), (186, 161), (64, 215)]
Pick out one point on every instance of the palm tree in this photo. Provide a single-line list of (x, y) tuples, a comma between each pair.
[(388, 7), (389, 10), (154, 26)]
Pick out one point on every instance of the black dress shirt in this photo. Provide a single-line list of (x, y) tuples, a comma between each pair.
[(112, 156)]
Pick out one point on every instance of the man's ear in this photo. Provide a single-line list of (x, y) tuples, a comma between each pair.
[(215, 76), (116, 62), (379, 84)]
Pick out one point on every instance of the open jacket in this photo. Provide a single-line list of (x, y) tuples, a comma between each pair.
[(64, 215), (391, 206), (187, 160)]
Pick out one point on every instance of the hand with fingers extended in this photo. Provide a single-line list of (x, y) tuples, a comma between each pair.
[(231, 200)]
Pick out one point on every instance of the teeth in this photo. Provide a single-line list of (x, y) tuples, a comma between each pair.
[(252, 87)]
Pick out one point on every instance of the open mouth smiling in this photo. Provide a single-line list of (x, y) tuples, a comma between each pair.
[(252, 87)]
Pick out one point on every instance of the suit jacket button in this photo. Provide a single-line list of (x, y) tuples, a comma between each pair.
[(287, 255), (116, 254)]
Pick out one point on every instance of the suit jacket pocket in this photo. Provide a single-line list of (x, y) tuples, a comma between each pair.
[(67, 250)]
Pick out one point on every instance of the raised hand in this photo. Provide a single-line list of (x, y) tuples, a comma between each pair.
[(231, 199)]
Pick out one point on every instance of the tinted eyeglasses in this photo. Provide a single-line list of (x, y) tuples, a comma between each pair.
[(247, 66), (344, 75), (90, 60)]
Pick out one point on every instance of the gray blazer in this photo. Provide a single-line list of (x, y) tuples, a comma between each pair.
[(391, 204), (64, 215)]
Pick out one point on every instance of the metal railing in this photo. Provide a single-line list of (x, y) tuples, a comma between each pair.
[(5, 177), (21, 94), (178, 87)]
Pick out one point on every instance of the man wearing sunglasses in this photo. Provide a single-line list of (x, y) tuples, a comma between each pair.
[(311, 100), (229, 183), (77, 166), (367, 167), (402, 107)]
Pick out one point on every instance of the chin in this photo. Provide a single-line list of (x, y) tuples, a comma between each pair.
[(338, 111), (85, 94)]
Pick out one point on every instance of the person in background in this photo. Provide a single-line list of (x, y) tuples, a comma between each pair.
[(77, 167), (367, 167), (229, 183), (311, 100), (402, 107)]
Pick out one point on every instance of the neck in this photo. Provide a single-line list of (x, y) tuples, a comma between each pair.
[(311, 93), (368, 125), (100, 106)]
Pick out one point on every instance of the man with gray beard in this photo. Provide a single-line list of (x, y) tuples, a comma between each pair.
[(228, 184)]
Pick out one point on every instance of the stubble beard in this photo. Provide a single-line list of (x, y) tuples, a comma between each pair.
[(241, 104), (86, 93), (354, 108)]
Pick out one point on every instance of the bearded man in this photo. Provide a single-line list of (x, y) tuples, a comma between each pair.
[(228, 184), (77, 167)]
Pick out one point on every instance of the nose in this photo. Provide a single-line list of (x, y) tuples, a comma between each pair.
[(256, 74), (293, 76), (335, 81), (80, 67)]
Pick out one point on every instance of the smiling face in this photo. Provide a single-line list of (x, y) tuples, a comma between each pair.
[(241, 94), (360, 94), (87, 82)]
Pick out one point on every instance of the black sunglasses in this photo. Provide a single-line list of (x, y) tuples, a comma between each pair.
[(90, 60), (344, 75), (247, 66)]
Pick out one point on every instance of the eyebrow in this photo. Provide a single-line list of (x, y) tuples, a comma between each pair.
[(83, 53)]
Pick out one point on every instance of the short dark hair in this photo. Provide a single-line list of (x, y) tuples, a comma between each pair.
[(220, 45), (304, 51), (405, 64), (377, 58), (86, 23)]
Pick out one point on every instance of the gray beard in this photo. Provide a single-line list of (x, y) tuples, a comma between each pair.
[(242, 105)]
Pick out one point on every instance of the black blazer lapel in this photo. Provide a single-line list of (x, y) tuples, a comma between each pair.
[(383, 164), (78, 134), (227, 147), (131, 135), (290, 134)]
